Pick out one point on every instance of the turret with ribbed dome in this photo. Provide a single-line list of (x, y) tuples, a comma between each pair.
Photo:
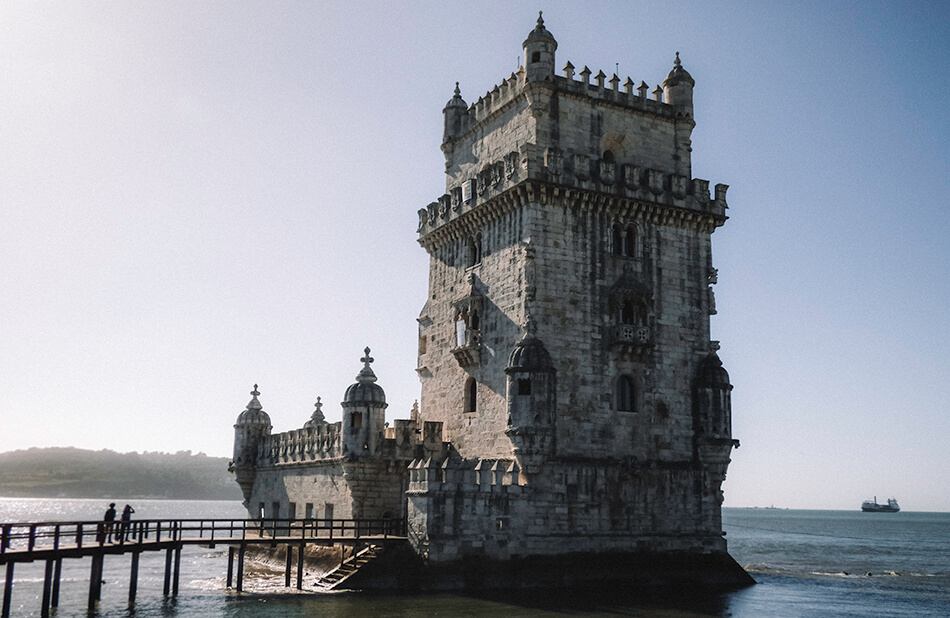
[(252, 425), (539, 50), (678, 88), (532, 400), (364, 413), (453, 113)]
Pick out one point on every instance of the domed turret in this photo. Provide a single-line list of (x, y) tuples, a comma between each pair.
[(532, 400), (254, 413), (539, 50), (713, 399), (252, 426), (712, 374), (678, 88), (365, 390), (453, 112), (364, 413), (529, 355)]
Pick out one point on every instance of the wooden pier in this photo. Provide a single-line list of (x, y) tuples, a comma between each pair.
[(53, 541)]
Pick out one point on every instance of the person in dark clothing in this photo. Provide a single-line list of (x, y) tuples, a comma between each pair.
[(126, 523), (109, 522)]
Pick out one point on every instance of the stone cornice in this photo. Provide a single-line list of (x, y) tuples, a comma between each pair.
[(573, 198)]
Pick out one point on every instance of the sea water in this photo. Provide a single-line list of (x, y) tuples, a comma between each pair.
[(807, 563)]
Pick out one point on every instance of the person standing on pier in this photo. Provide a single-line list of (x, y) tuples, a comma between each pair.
[(126, 523), (109, 522)]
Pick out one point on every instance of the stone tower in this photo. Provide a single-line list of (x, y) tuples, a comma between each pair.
[(565, 341)]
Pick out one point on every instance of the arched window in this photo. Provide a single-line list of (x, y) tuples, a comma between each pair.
[(474, 250), (618, 240), (630, 241), (471, 394), (625, 394), (608, 156)]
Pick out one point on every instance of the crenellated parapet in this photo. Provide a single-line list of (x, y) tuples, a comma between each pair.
[(450, 476)]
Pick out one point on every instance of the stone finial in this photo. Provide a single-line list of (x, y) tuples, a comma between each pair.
[(366, 373), (254, 403), (658, 94), (676, 62), (529, 326), (569, 70), (615, 82), (628, 85), (600, 79), (458, 91), (316, 419), (642, 89), (541, 21), (585, 74)]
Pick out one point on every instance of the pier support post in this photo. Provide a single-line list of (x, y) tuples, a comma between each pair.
[(290, 561), (7, 592), (240, 569), (47, 589), (134, 577), (300, 567), (95, 581), (177, 571), (168, 571), (230, 565), (57, 573)]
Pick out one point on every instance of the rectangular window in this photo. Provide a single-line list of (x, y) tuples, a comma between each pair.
[(356, 420), (260, 510), (524, 386), (328, 511), (308, 511), (275, 510), (292, 510)]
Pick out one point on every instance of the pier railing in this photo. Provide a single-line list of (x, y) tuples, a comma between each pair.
[(26, 537)]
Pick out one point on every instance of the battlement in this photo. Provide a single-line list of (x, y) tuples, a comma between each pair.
[(466, 475)]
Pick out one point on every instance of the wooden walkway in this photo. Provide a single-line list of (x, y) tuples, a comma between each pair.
[(53, 541)]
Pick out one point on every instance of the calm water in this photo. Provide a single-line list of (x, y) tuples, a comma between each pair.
[(807, 563)]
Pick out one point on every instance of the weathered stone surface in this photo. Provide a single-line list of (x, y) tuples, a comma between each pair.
[(572, 401)]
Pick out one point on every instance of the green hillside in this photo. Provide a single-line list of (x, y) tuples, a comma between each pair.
[(78, 473)]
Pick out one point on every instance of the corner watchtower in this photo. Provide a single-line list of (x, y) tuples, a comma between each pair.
[(539, 50)]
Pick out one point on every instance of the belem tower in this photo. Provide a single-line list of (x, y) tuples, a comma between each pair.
[(574, 413)]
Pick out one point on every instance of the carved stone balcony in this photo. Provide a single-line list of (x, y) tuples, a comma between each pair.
[(467, 352), (632, 340)]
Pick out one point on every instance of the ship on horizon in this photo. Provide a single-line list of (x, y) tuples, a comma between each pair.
[(869, 506)]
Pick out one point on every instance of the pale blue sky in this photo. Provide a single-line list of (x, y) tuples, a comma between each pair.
[(199, 196)]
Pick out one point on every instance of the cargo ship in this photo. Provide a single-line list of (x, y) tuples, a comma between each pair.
[(869, 506)]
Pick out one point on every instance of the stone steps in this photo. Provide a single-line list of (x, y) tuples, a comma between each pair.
[(349, 567)]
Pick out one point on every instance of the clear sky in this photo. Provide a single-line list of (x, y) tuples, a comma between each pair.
[(200, 196)]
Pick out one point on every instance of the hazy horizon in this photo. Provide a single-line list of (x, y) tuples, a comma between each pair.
[(200, 197)]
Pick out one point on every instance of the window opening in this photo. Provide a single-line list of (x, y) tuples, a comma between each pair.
[(471, 395), (608, 156), (630, 242), (524, 386), (356, 420), (536, 57), (625, 393)]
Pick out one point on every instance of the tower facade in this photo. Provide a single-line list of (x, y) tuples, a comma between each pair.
[(565, 341), (575, 419)]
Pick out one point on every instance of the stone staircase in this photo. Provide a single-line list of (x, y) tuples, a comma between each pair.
[(349, 567)]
